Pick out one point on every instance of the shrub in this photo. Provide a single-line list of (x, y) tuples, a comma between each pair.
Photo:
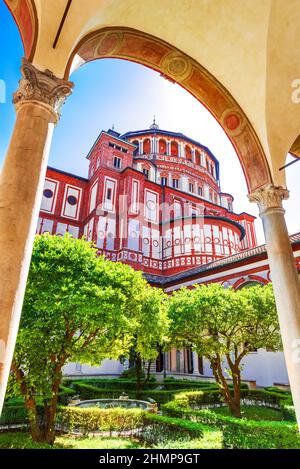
[(208, 397), (87, 392), (94, 419), (198, 398), (172, 383), (239, 433), (115, 384), (65, 395), (288, 412), (13, 415), (131, 373), (14, 401), (158, 429), (277, 390)]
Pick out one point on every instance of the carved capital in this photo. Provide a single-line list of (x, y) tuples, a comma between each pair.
[(269, 197), (42, 87)]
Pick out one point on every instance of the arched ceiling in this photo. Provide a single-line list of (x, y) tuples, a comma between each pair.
[(251, 47)]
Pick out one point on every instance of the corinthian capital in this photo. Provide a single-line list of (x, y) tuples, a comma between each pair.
[(42, 87), (269, 197)]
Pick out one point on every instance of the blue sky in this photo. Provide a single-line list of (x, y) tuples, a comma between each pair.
[(127, 95)]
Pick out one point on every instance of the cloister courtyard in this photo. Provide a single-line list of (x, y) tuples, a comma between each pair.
[(149, 225)]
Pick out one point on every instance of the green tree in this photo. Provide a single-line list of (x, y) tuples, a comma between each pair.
[(77, 307), (150, 333), (224, 326)]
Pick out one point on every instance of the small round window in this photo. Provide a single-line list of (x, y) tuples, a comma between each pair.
[(48, 193), (72, 200)]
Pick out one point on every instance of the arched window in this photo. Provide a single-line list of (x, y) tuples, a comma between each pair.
[(147, 146), (162, 147), (174, 148), (249, 284), (136, 151), (188, 153), (197, 158)]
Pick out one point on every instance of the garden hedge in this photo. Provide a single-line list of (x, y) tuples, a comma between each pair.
[(238, 433), (95, 419), (160, 429), (86, 392), (13, 415), (150, 428)]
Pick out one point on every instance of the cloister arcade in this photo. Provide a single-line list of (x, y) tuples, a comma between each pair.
[(195, 44)]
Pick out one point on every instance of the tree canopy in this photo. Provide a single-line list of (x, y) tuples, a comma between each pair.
[(78, 307), (224, 326)]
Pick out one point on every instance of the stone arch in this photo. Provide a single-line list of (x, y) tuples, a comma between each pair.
[(178, 67), (251, 281), (25, 16)]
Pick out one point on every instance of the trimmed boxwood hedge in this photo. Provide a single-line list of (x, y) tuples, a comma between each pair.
[(65, 395), (150, 428), (115, 384), (238, 433), (250, 396), (159, 429), (13, 415), (95, 420), (86, 392)]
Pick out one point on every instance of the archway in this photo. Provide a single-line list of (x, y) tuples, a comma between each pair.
[(171, 63), (43, 93)]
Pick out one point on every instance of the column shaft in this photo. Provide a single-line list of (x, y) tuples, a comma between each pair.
[(21, 184), (285, 281)]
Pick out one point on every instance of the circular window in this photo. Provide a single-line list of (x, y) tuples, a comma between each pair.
[(48, 193), (133, 234), (72, 200), (151, 205)]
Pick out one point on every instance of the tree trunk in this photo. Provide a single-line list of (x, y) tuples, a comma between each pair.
[(236, 401), (233, 400), (30, 406), (138, 366), (46, 419)]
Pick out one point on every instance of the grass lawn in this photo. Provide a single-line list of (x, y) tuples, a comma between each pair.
[(212, 439), (23, 441), (253, 412)]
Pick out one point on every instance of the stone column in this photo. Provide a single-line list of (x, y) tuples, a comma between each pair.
[(195, 364), (37, 102), (284, 278), (140, 147), (166, 363)]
